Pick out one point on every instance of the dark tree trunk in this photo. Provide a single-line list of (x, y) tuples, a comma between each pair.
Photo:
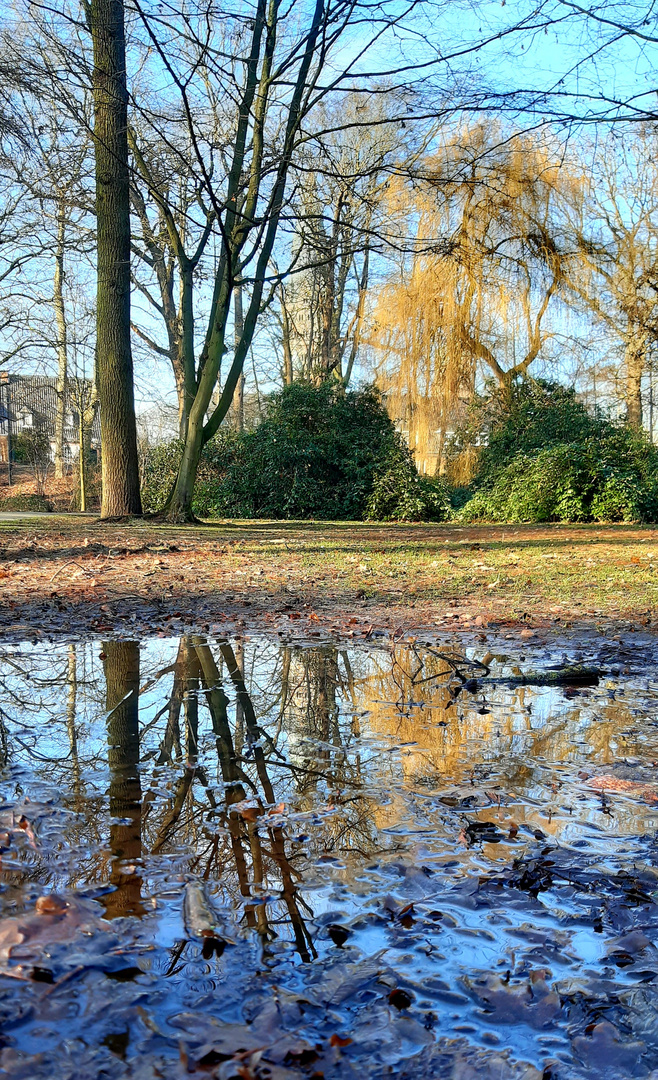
[(121, 665), (62, 345), (239, 330), (120, 472)]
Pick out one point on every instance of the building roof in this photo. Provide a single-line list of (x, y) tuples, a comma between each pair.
[(29, 402)]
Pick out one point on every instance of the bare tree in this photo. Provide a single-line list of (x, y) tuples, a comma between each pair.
[(339, 224), (614, 222), (173, 230), (83, 394), (271, 72)]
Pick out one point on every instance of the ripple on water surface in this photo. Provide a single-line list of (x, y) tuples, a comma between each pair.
[(245, 859)]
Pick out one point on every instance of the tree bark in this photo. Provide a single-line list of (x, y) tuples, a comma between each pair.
[(120, 473), (239, 328), (81, 462), (635, 360), (288, 374)]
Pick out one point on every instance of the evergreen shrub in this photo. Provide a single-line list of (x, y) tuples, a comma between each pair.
[(319, 452), (546, 458), (33, 503)]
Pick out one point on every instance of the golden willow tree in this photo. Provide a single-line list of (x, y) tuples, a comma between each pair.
[(471, 302)]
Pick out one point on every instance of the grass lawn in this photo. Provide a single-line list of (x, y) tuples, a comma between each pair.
[(72, 573)]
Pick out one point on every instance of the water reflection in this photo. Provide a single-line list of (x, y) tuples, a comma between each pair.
[(212, 797), (121, 670)]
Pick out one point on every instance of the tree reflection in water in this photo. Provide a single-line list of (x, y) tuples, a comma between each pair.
[(345, 828), (267, 770), (121, 668)]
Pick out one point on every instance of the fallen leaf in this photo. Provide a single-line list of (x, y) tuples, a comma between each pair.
[(400, 998), (624, 787), (338, 1040), (248, 809), (338, 934)]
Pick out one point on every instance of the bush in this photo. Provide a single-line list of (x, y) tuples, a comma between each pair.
[(525, 417), (319, 452), (588, 468), (20, 448), (400, 494), (323, 453), (33, 449), (622, 498), (160, 465), (32, 503)]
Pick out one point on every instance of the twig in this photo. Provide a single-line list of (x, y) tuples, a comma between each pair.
[(72, 562)]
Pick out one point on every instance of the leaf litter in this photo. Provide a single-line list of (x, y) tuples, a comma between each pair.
[(241, 859)]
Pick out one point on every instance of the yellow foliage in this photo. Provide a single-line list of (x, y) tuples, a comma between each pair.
[(470, 301)]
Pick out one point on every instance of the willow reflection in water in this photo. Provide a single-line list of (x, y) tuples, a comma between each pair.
[(296, 795), (346, 744)]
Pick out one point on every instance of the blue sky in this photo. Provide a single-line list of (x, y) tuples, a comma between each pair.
[(583, 64)]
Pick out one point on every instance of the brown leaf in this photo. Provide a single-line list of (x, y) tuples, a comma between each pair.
[(248, 809), (338, 1040), (400, 998)]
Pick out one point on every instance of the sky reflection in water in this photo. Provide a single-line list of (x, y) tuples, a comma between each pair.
[(267, 851)]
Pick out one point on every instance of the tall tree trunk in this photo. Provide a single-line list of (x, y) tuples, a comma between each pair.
[(635, 356), (239, 328), (120, 471), (121, 665), (187, 358), (358, 316), (81, 461), (60, 326)]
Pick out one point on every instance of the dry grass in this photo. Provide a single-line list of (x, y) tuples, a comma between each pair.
[(74, 572)]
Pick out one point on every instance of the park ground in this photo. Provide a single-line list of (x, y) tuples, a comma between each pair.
[(72, 574)]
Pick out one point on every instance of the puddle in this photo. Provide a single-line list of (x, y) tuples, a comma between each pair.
[(245, 859)]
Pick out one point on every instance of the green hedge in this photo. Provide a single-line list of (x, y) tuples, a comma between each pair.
[(32, 503)]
